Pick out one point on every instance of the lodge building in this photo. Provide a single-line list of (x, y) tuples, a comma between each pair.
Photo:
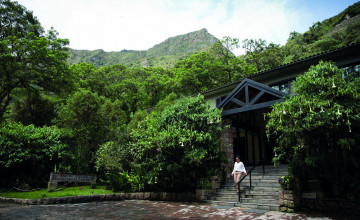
[(245, 102)]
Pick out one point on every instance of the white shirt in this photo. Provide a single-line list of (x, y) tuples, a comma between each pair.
[(239, 167)]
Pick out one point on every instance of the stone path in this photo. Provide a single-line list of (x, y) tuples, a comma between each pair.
[(144, 209)]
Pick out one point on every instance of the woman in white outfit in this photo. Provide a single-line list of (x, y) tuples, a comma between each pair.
[(239, 168)]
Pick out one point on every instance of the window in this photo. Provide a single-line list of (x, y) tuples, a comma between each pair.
[(353, 70), (283, 86)]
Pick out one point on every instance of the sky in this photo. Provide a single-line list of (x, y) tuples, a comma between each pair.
[(114, 25)]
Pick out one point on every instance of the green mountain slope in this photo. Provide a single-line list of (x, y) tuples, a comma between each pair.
[(337, 31), (165, 54)]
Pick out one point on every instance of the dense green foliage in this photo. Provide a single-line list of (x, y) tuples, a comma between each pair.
[(203, 71), (263, 55), (56, 116), (29, 60), (170, 149), (340, 30), (28, 153), (92, 120), (318, 129)]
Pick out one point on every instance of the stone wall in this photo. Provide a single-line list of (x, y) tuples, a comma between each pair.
[(203, 195), (199, 196), (215, 183), (227, 145), (289, 200)]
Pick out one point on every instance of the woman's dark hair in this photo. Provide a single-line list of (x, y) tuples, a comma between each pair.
[(237, 156)]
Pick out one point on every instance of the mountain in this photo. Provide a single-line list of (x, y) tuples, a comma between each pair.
[(165, 54), (337, 31), (340, 30)]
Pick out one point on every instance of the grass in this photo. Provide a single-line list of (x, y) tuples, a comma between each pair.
[(61, 192)]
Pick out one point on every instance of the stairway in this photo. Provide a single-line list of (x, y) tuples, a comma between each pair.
[(263, 195)]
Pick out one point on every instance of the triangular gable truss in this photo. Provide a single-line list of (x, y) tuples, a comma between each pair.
[(250, 95)]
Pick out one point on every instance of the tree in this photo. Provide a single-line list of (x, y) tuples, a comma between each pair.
[(104, 80), (222, 50), (28, 58), (324, 44), (314, 32), (32, 108), (93, 121), (135, 88), (318, 129), (253, 49), (295, 48), (273, 56), (184, 144), (199, 72), (158, 84), (28, 153), (263, 55), (172, 148)]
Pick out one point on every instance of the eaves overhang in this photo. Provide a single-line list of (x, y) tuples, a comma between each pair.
[(340, 56)]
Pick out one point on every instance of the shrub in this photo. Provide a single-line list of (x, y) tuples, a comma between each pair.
[(28, 154), (317, 130), (287, 182), (172, 148)]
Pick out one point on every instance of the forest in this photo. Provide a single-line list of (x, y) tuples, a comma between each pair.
[(137, 128)]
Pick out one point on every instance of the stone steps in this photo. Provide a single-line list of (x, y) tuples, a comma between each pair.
[(264, 187), (275, 174), (263, 194), (261, 184), (270, 207), (273, 178), (260, 201), (227, 199), (245, 199)]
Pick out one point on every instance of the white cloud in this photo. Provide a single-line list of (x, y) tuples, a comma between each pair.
[(114, 25)]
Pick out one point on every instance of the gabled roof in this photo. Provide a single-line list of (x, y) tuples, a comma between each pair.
[(250, 95)]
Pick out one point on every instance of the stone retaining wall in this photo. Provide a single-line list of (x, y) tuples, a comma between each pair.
[(199, 196), (289, 201)]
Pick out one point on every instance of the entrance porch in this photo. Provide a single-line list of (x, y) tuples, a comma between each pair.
[(244, 122)]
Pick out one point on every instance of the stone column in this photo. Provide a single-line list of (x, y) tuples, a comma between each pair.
[(289, 200), (227, 145)]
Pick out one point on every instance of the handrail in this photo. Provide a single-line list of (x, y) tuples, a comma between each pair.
[(249, 173)]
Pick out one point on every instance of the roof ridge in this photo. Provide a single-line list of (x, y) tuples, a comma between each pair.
[(286, 64)]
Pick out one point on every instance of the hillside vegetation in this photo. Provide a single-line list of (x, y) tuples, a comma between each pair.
[(340, 30), (165, 54)]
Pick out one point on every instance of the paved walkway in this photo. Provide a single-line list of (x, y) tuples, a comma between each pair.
[(143, 209)]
